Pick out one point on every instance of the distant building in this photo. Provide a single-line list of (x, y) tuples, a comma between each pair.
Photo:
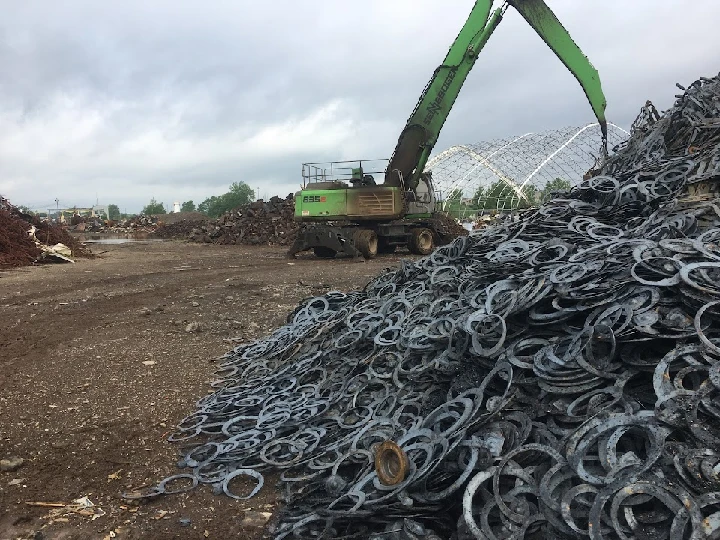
[(176, 207)]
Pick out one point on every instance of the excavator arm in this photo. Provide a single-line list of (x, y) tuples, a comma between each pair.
[(421, 132), (550, 29)]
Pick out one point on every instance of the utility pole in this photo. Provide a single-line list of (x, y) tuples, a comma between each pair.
[(257, 190)]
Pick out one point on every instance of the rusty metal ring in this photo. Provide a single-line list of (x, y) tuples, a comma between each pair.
[(391, 463)]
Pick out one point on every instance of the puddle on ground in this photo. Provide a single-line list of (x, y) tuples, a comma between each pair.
[(114, 238)]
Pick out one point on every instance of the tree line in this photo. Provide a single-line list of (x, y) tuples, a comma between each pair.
[(239, 194), (500, 196)]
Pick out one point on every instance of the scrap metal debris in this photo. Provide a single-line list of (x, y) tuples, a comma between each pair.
[(82, 506), (55, 253), (162, 225), (25, 239), (554, 376), (179, 229), (258, 223)]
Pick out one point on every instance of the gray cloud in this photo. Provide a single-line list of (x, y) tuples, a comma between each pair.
[(177, 100)]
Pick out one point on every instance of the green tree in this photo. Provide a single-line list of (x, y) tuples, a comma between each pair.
[(455, 195), (453, 202), (240, 194), (532, 195), (495, 195), (113, 212), (154, 208), (209, 206), (498, 190), (531, 192), (187, 206), (478, 197), (554, 185)]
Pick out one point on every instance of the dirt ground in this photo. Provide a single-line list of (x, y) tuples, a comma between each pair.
[(100, 359)]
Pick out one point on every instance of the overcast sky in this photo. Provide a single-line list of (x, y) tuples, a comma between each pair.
[(175, 100)]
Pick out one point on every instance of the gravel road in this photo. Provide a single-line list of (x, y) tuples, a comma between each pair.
[(100, 359)]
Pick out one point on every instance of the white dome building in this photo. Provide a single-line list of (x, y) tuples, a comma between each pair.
[(507, 173)]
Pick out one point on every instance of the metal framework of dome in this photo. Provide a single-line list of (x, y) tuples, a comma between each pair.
[(518, 171)]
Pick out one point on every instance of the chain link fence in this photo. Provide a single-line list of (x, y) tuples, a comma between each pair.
[(518, 172)]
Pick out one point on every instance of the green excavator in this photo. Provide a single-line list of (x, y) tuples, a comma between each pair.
[(346, 212)]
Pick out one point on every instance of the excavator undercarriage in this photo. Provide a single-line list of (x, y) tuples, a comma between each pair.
[(366, 240)]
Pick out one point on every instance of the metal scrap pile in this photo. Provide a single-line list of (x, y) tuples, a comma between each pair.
[(179, 229), (552, 377), (448, 227), (96, 224), (178, 225), (258, 223), (488, 220), (25, 239)]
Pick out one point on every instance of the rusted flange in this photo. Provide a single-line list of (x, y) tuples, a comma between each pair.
[(391, 463)]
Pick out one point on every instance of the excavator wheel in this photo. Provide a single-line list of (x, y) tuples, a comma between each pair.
[(421, 241), (366, 242), (324, 252)]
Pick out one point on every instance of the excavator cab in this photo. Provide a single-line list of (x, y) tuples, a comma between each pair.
[(359, 179), (421, 198)]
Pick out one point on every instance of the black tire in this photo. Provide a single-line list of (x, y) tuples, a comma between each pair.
[(324, 252), (421, 241), (366, 242)]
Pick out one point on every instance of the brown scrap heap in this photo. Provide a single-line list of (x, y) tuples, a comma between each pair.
[(260, 222), (179, 229), (19, 248), (448, 227)]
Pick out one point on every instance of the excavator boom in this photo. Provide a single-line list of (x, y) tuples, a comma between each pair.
[(423, 127), (422, 130)]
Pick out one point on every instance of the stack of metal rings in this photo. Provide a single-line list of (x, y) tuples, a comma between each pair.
[(556, 376)]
